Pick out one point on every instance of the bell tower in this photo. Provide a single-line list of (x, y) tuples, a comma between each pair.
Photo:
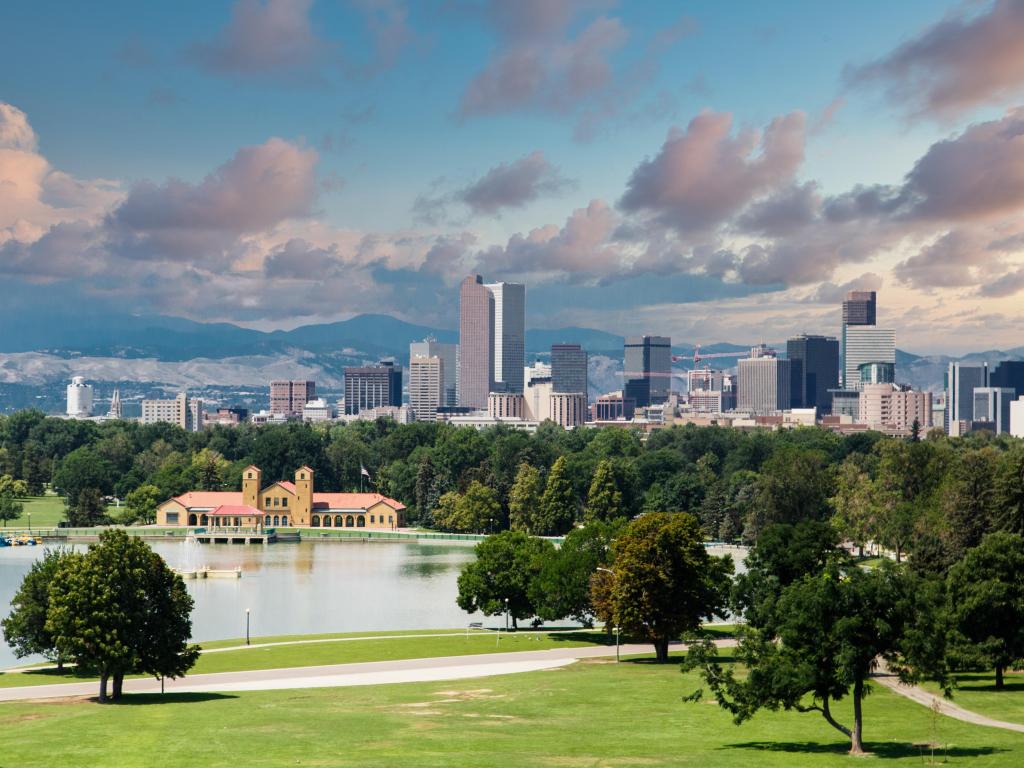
[(251, 486), (303, 495)]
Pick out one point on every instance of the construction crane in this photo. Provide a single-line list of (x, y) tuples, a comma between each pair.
[(697, 356)]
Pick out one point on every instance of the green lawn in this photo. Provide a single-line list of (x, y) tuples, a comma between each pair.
[(977, 692), (588, 714), (47, 512)]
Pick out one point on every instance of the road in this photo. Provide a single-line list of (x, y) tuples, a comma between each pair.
[(944, 705), (339, 675)]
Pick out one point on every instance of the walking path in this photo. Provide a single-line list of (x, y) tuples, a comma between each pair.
[(944, 706), (338, 675)]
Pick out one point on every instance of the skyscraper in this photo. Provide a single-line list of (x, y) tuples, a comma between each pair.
[(647, 369), (865, 344), (992, 405), (449, 356), (763, 383), (814, 370), (1009, 374), (476, 342), (372, 386), (859, 310), (426, 386), (961, 381), (509, 335), (288, 398), (569, 368)]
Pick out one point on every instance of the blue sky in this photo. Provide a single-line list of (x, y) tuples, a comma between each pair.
[(501, 120)]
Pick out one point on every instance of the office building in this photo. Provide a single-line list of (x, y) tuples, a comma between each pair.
[(992, 406), (567, 409), (79, 398), (961, 381), (814, 370), (476, 342), (448, 354), (539, 370), (614, 406), (1009, 374), (196, 415), (426, 386), (288, 398), (845, 402), (877, 373), (509, 336), (506, 406), (647, 369), (538, 398), (175, 411), (1017, 417), (866, 344), (712, 400), (373, 386), (763, 383), (860, 308), (893, 408), (569, 368), (317, 410)]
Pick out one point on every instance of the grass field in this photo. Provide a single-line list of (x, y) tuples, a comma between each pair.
[(47, 512), (977, 692), (588, 714)]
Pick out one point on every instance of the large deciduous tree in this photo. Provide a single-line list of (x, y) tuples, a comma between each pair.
[(524, 499), (120, 610), (986, 602), (25, 628), (501, 575), (604, 500), (665, 582)]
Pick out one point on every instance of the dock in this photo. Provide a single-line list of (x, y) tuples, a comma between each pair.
[(233, 536)]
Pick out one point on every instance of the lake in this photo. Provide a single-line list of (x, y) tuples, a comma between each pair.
[(304, 588)]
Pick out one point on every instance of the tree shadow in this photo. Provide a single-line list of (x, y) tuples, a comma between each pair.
[(985, 683), (887, 750), (69, 674), (593, 638), (173, 697)]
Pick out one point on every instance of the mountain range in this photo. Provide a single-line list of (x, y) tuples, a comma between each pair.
[(109, 345)]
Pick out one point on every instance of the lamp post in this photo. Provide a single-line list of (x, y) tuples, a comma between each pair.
[(246, 626), (506, 614), (30, 522)]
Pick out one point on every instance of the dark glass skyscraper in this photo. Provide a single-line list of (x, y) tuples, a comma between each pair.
[(859, 308), (372, 386), (568, 368), (1009, 374), (647, 369), (814, 371)]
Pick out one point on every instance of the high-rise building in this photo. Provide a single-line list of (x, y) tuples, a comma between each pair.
[(288, 398), (569, 368), (568, 409), (888, 406), (814, 370), (865, 344), (992, 405), (539, 370), (476, 342), (174, 411), (373, 386), (647, 369), (877, 373), (763, 383), (448, 353), (860, 308), (961, 381), (509, 335), (196, 415), (79, 394), (1017, 417), (1009, 374), (614, 406), (426, 386)]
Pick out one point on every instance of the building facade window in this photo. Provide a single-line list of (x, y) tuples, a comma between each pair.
[(172, 518), (315, 523), (284, 520)]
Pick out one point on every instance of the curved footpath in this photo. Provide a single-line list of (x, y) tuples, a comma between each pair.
[(339, 675), (943, 705)]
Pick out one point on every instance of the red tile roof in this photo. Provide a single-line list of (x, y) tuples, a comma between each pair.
[(236, 510), (287, 485), (208, 499), (352, 501)]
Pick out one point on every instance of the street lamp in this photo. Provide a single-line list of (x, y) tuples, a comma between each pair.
[(506, 614), (246, 626)]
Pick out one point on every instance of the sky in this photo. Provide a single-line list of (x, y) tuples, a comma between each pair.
[(709, 171)]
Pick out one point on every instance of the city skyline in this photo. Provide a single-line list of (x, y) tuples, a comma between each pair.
[(141, 165)]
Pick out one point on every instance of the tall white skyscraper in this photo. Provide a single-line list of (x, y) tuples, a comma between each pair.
[(449, 356), (509, 335), (866, 344), (426, 386), (79, 398), (763, 383)]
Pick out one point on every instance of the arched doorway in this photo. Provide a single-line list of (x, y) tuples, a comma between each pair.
[(327, 521), (349, 522), (192, 519), (204, 520), (361, 522), (337, 521), (315, 522)]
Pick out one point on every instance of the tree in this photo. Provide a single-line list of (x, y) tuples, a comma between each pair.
[(524, 499), (500, 577), (209, 468), (968, 499), (854, 504), (795, 484), (986, 602), (561, 588), (822, 643), (1009, 492), (665, 582), (559, 504), (10, 507), (121, 610), (604, 500), (140, 505), (87, 509), (25, 627)]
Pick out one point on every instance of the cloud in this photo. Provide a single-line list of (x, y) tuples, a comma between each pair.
[(832, 293), (782, 213), (705, 174), (965, 60), (513, 185), (264, 37), (15, 131), (1007, 285), (955, 259)]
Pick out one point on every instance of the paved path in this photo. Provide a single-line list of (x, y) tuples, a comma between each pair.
[(338, 675), (945, 706)]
